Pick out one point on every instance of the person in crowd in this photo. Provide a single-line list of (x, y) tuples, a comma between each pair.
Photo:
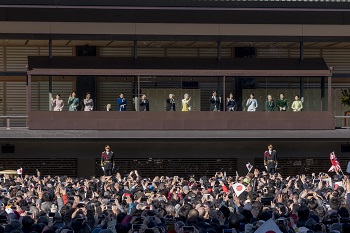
[(270, 104), (88, 102), (270, 159), (186, 103), (282, 104), (107, 161), (121, 103), (144, 104), (170, 103), (108, 107), (297, 105), (73, 102), (57, 103), (230, 103), (252, 104), (215, 102)]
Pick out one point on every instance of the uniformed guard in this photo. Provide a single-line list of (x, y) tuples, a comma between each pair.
[(270, 159), (107, 161)]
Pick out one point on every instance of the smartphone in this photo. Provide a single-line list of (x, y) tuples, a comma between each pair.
[(280, 221), (144, 199), (111, 200), (147, 208), (51, 215), (316, 181), (81, 205)]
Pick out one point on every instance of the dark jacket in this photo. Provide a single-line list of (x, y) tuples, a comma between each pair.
[(170, 105), (215, 103), (144, 105), (270, 159)]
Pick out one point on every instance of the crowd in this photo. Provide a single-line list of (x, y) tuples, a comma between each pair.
[(132, 203), (216, 103)]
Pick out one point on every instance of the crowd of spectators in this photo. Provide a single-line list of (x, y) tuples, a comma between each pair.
[(132, 203)]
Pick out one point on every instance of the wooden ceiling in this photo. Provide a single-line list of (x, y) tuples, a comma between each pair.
[(174, 44)]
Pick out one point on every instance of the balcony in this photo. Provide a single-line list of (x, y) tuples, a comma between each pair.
[(98, 120), (224, 72)]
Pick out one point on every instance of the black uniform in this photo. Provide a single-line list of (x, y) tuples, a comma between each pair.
[(270, 161), (107, 162), (170, 105)]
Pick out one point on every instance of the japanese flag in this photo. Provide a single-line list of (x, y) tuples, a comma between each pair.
[(19, 171), (249, 166), (268, 227), (238, 188)]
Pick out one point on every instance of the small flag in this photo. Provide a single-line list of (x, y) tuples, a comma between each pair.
[(269, 227), (335, 163), (238, 188), (237, 174), (348, 168), (338, 184), (19, 171), (249, 166)]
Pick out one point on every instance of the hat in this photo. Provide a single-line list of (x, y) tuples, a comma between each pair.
[(107, 147), (9, 210), (303, 230)]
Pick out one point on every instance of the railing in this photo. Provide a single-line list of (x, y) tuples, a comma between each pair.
[(345, 122), (8, 120)]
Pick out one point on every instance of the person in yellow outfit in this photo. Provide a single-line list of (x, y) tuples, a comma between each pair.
[(186, 103), (297, 105)]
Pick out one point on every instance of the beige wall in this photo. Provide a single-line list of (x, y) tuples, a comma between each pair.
[(175, 29)]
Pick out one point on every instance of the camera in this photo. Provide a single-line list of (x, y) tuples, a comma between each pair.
[(81, 205)]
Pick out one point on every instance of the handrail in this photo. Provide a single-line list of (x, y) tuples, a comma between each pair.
[(12, 117), (344, 117)]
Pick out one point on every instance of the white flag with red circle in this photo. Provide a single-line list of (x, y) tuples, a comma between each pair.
[(249, 166), (19, 171), (238, 188)]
